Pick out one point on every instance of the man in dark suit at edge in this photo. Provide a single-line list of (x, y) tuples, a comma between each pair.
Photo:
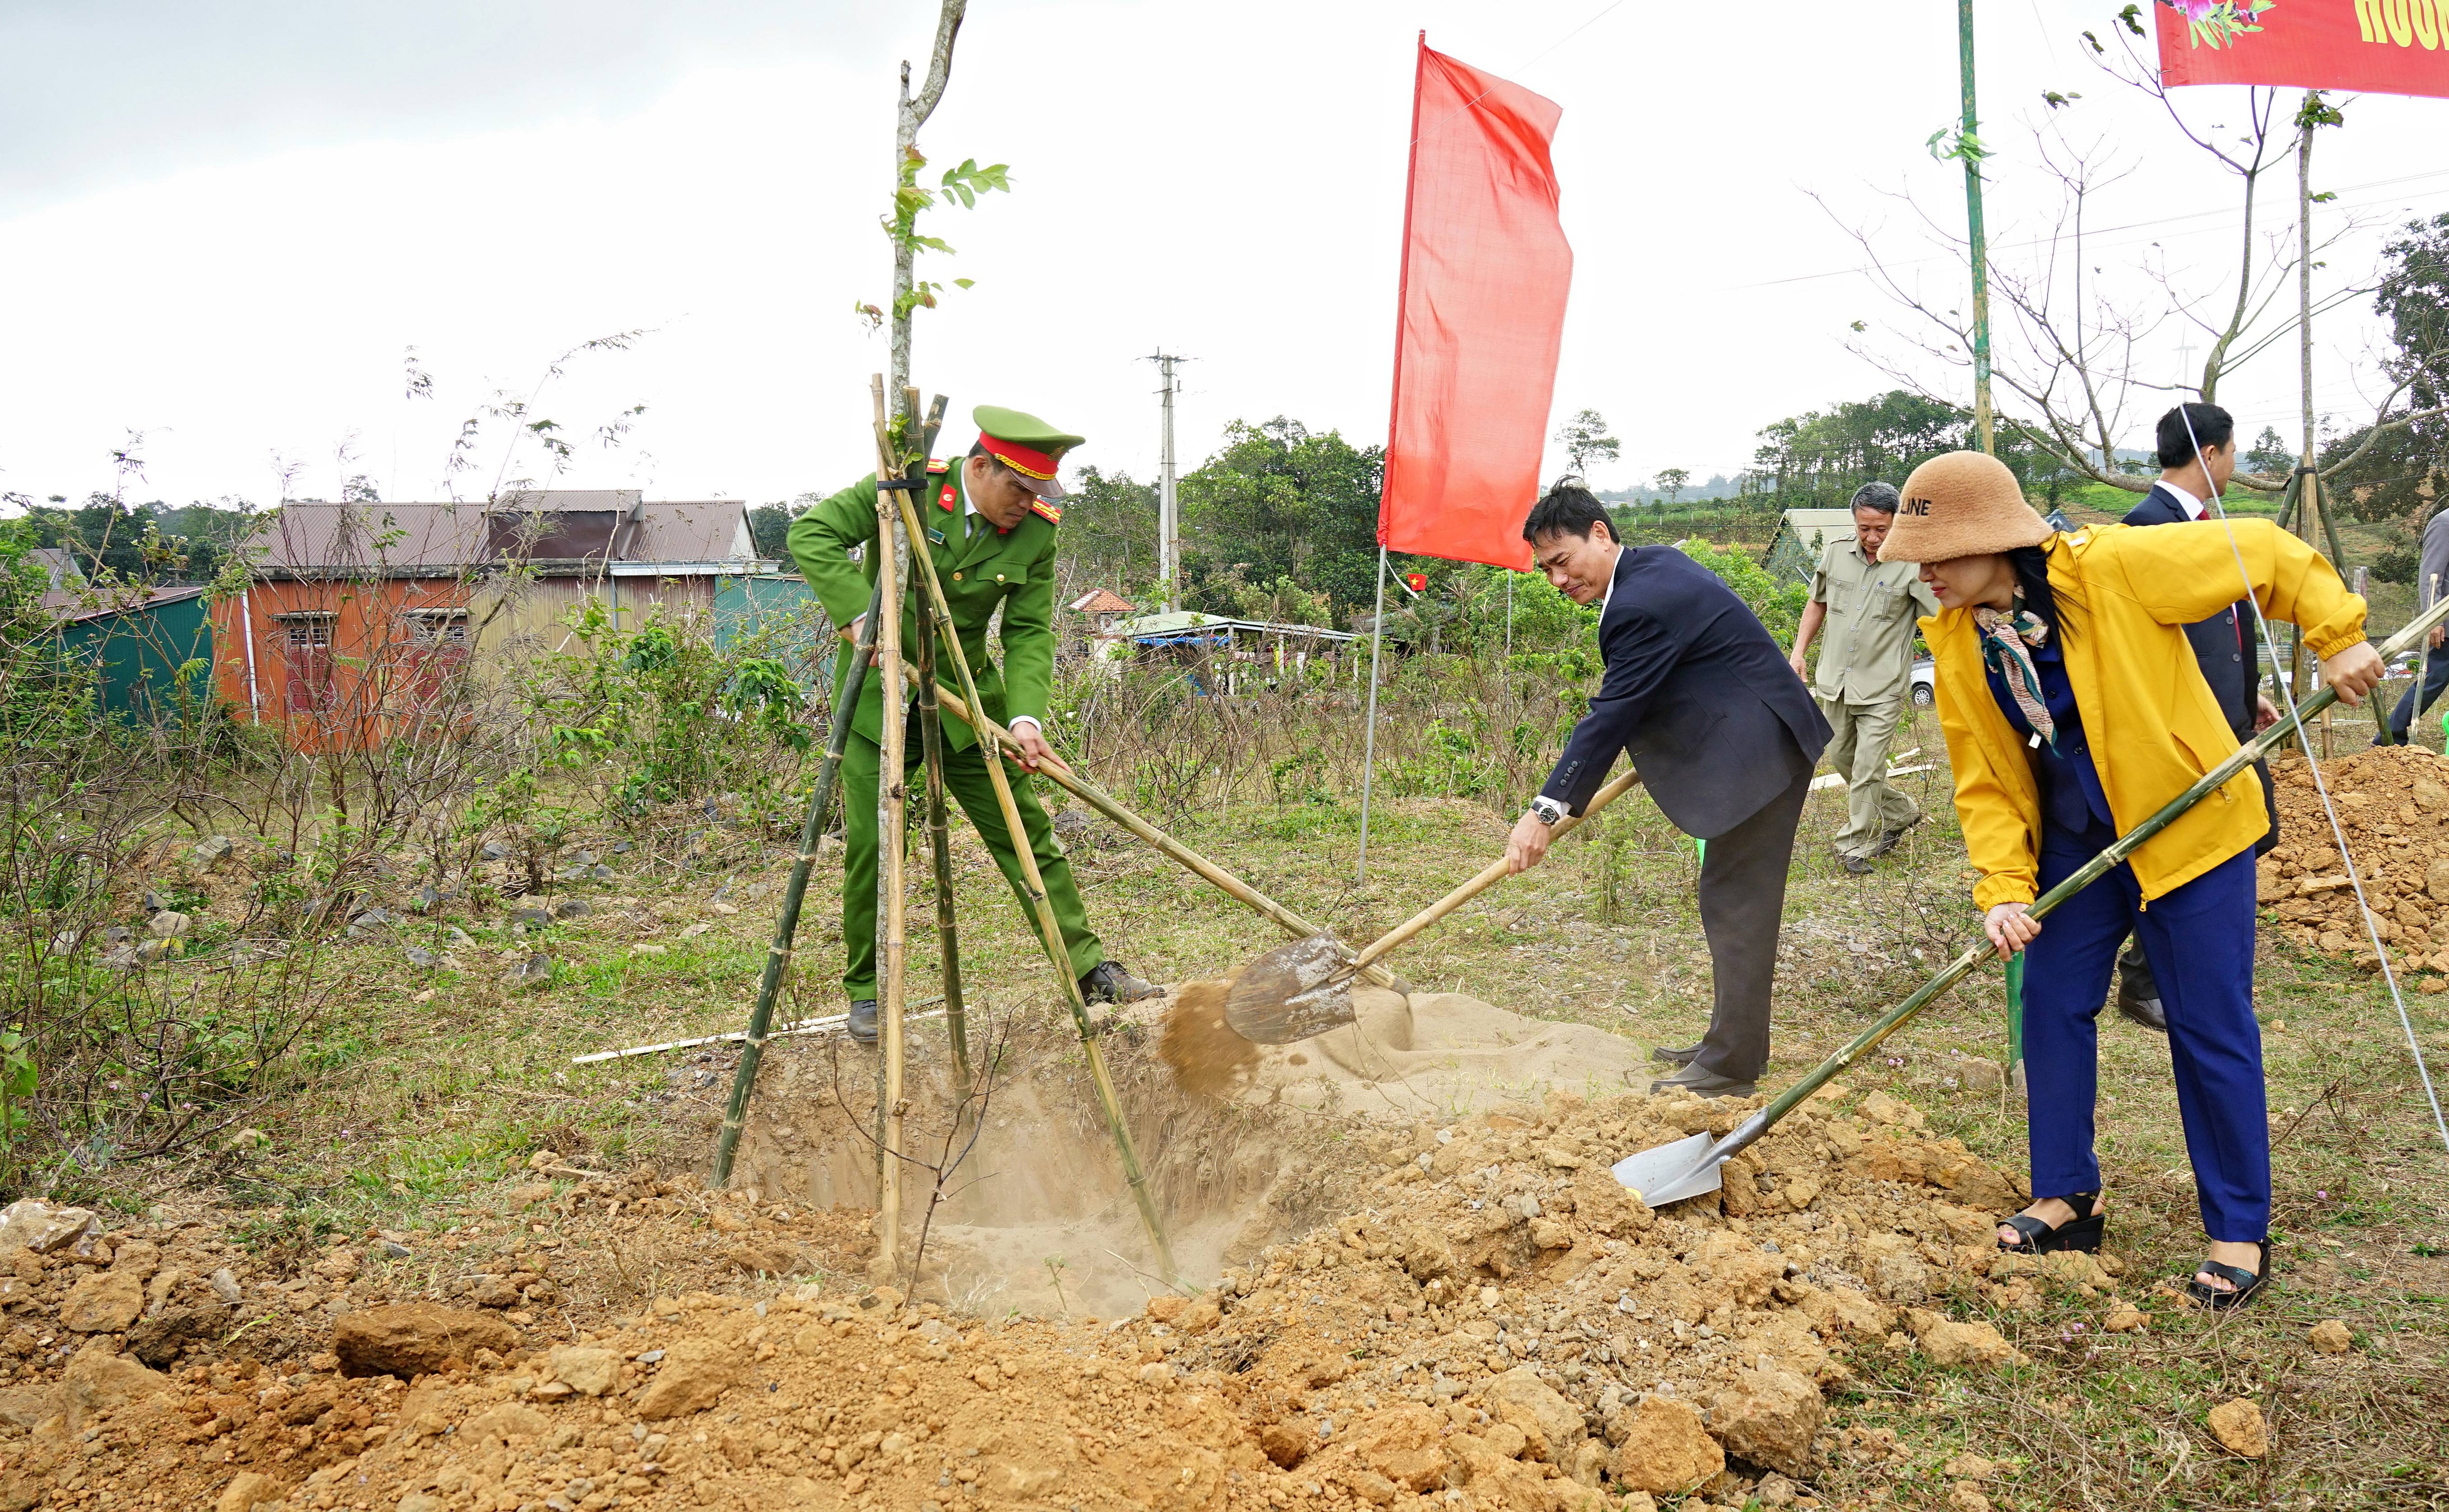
[(2225, 645), (1724, 737)]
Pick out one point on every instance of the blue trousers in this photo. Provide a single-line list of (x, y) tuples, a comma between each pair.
[(2199, 940), (2411, 703)]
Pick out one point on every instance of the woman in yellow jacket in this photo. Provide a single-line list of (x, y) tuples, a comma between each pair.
[(2074, 709)]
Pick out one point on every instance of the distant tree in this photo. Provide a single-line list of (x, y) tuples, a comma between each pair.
[(1109, 535), (1584, 439), (2270, 452), (360, 489), (1821, 457), (768, 524), (1279, 501), (1671, 481), (2400, 472)]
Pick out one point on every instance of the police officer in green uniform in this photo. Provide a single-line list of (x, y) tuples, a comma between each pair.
[(990, 525)]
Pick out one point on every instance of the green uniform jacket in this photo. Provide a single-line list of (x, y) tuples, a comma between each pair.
[(1013, 567)]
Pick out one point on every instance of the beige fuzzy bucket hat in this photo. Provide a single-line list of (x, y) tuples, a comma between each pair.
[(1962, 504)]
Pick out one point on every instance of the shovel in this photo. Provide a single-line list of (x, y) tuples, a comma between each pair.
[(1690, 1167), (1306, 988)]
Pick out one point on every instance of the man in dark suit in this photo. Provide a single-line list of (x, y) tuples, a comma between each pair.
[(2197, 455), (1724, 737)]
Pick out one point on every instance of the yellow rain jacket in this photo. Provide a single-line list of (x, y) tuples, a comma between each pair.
[(2125, 594)]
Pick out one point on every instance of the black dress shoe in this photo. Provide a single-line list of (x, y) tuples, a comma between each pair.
[(1108, 982), (1702, 1083), (2138, 995), (862, 1020), (2144, 1010), (1674, 1055)]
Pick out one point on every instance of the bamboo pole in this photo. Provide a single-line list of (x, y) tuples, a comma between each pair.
[(804, 1026), (1232, 886), (787, 924), (1750, 1129), (1050, 932), (892, 800), (939, 838)]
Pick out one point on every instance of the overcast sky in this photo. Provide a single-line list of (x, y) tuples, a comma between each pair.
[(223, 225)]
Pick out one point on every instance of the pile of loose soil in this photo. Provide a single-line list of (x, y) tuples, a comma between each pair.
[(1488, 1311), (2392, 803)]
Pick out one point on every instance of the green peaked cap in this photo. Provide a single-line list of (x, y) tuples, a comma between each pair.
[(1023, 429)]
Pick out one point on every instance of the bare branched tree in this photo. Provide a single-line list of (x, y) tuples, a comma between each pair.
[(951, 1136), (2074, 365)]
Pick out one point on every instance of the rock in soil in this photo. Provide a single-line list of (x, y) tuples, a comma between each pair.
[(1769, 1417), (2239, 1427), (2330, 1336), (410, 1339), (1665, 1450)]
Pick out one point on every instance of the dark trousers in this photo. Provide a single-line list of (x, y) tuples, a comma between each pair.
[(1743, 902), (2200, 943), (2435, 681), (967, 783)]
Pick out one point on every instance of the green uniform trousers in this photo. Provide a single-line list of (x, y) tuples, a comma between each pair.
[(1858, 751), (965, 778)]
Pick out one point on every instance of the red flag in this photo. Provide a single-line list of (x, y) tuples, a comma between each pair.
[(2386, 46), (1481, 316)]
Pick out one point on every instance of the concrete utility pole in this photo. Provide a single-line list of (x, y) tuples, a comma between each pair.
[(1169, 517)]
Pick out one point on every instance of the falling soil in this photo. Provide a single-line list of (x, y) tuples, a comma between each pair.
[(1207, 1057), (2393, 806)]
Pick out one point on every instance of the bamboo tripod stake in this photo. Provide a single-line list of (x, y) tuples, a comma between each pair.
[(787, 924), (1050, 932), (892, 802), (939, 840)]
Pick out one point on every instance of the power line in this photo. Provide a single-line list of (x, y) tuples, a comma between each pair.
[(2130, 225)]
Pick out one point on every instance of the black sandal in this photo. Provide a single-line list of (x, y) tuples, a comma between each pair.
[(2082, 1231), (2246, 1282)]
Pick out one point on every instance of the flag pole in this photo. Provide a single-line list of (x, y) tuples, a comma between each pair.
[(1393, 408), (1369, 746)]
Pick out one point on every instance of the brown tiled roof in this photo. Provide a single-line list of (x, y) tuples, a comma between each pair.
[(444, 539), (1101, 601)]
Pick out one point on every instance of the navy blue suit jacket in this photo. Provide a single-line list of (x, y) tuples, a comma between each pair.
[(2223, 644), (1697, 692)]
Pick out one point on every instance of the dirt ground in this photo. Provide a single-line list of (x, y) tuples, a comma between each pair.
[(1412, 1283)]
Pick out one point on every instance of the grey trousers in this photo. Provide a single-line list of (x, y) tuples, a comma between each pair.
[(1858, 751), (1742, 904)]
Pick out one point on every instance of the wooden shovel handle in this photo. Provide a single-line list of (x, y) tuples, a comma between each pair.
[(1490, 875)]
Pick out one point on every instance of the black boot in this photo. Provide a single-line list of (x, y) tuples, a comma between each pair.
[(1674, 1055), (1108, 982), (862, 1020)]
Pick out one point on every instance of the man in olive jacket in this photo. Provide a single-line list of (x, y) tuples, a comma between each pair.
[(989, 527)]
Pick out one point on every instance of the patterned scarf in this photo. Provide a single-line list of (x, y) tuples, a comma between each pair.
[(2004, 642)]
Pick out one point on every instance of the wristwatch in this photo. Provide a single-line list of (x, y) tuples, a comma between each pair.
[(1550, 812)]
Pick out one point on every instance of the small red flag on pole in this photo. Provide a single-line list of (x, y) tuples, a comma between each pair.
[(1485, 272)]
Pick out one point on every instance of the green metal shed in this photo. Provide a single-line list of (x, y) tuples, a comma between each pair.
[(153, 655)]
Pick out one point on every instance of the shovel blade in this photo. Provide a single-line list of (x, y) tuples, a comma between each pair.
[(1291, 992), (1671, 1173)]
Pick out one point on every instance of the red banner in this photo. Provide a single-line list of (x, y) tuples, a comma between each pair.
[(2383, 47), (1481, 316)]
